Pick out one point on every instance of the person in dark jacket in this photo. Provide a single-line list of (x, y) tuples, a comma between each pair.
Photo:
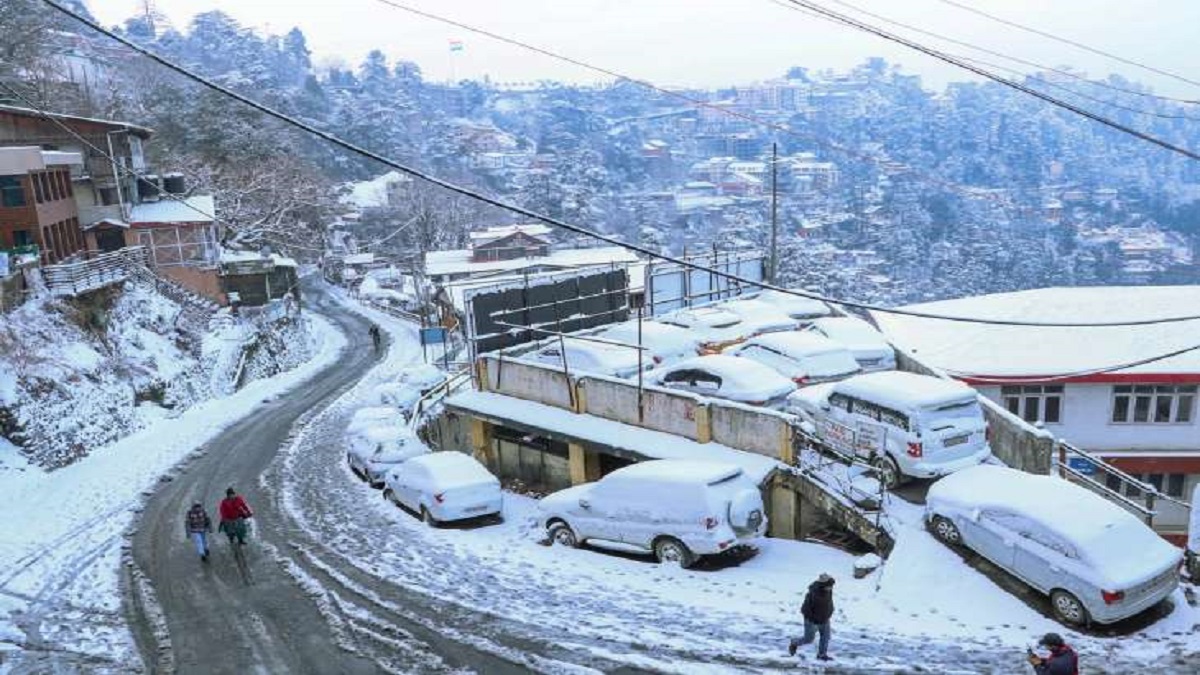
[(197, 525), (1062, 660), (817, 610), (234, 512)]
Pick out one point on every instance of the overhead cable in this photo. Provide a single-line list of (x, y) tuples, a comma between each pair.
[(982, 72), (554, 222), (1062, 377)]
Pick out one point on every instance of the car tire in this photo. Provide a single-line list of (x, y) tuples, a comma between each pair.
[(946, 531), (561, 534), (888, 472), (671, 551), (1068, 609), (427, 517)]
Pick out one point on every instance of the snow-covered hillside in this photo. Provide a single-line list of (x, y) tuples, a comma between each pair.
[(76, 374)]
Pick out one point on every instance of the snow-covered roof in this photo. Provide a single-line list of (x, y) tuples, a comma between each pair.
[(459, 261), (196, 209), (228, 256), (963, 348), (1117, 544), (643, 442), (144, 132), (904, 390), (374, 193), (489, 234)]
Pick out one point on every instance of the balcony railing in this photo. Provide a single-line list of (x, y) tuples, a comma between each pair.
[(95, 272)]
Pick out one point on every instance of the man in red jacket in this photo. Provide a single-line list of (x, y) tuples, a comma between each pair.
[(234, 512)]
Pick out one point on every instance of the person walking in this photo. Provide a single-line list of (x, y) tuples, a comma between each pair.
[(234, 512), (376, 337), (1062, 660), (197, 525), (817, 610)]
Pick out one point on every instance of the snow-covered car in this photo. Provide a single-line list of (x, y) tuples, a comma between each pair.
[(372, 451), (589, 356), (1096, 561), (374, 416), (675, 509), (664, 344), (723, 376), (443, 487), (760, 317), (424, 377), (870, 348), (715, 326), (907, 425), (402, 397), (798, 307), (804, 358)]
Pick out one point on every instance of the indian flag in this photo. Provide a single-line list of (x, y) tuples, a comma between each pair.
[(456, 45)]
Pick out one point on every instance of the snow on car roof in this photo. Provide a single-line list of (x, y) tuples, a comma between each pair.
[(757, 310), (901, 389), (849, 329), (660, 336), (1044, 350), (702, 316), (453, 468), (795, 305), (1110, 537), (740, 373), (380, 433), (678, 471), (796, 344)]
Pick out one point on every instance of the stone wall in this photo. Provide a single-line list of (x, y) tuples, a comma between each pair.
[(675, 413), (757, 430)]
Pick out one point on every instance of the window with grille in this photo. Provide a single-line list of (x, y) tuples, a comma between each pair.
[(1154, 404), (1035, 403)]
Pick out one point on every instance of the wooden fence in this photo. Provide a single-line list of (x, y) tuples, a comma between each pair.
[(96, 272)]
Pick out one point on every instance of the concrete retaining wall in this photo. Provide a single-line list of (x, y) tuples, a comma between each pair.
[(674, 413), (764, 432), (528, 381)]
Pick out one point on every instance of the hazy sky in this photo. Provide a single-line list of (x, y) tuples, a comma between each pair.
[(712, 42)]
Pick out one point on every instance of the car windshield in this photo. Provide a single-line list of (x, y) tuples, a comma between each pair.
[(827, 364), (950, 415)]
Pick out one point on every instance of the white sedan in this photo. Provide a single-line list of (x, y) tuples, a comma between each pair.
[(760, 317), (589, 356), (870, 348), (373, 451), (795, 306), (804, 358), (664, 344), (727, 377), (714, 325), (444, 486)]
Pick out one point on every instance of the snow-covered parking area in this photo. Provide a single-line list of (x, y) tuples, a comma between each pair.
[(926, 610)]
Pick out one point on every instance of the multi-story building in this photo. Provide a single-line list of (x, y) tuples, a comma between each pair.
[(37, 203), (1127, 394)]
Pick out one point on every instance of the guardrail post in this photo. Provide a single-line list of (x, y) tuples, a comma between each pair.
[(1149, 509)]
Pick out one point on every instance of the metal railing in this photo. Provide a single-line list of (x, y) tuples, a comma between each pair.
[(1087, 464), (95, 272), (431, 398)]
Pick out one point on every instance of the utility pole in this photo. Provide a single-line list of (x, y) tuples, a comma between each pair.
[(774, 212)]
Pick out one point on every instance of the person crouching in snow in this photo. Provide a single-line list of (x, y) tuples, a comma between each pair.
[(197, 525), (817, 610), (1062, 660)]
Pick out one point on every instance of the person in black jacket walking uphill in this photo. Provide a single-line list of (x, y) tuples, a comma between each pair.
[(817, 610)]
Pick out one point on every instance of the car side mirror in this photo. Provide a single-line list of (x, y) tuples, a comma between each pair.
[(583, 503)]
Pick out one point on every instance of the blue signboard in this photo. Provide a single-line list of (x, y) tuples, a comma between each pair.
[(433, 336), (1082, 465)]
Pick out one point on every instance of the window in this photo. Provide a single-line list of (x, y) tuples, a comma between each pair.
[(12, 193), (22, 238), (840, 401), (1153, 404), (1170, 484), (1034, 403)]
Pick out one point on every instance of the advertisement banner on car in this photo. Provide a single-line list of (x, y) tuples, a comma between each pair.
[(869, 439)]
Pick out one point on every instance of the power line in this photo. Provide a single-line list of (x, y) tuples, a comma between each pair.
[(1060, 377), (467, 192), (991, 52), (942, 56), (1073, 43)]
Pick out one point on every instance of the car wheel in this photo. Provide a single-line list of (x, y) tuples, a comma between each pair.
[(561, 534), (673, 552), (1068, 609), (887, 471), (946, 531), (427, 517)]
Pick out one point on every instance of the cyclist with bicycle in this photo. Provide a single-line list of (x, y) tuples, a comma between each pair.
[(234, 512)]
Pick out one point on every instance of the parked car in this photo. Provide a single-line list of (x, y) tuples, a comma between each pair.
[(371, 451), (870, 348), (589, 357), (716, 326), (723, 376), (1097, 562), (374, 416), (804, 358), (761, 317), (675, 509), (798, 307), (907, 425), (664, 344), (424, 377), (400, 396), (443, 487)]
